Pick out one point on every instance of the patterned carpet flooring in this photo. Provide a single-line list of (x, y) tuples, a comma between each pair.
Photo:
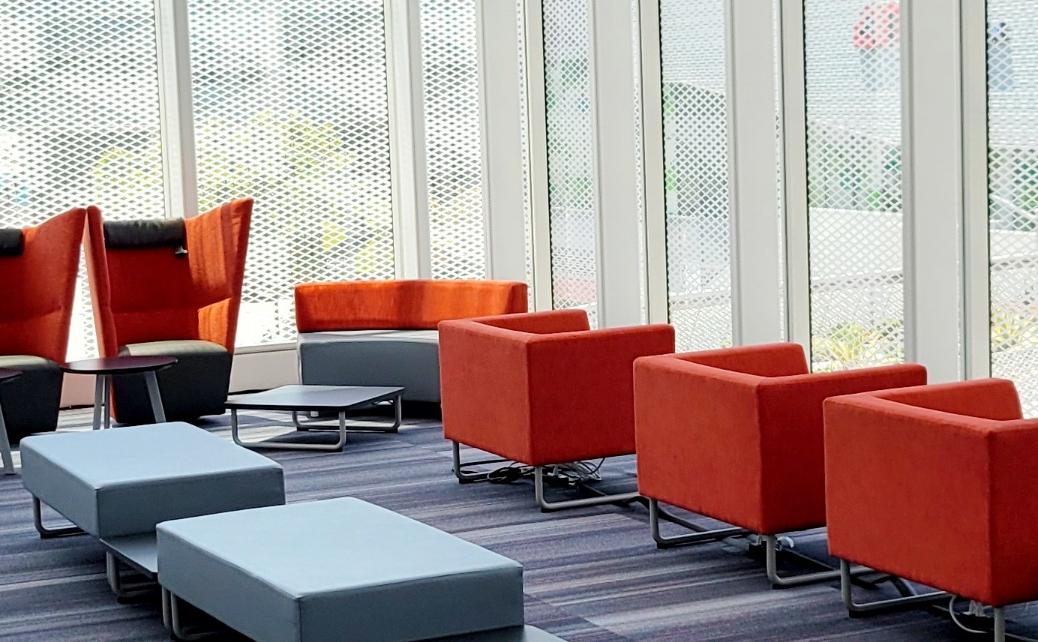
[(591, 574)]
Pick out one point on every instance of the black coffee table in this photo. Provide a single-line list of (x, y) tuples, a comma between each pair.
[(107, 367), (338, 399), (6, 374)]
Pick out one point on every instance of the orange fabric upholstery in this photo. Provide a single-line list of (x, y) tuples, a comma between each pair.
[(402, 304), (150, 294), (541, 388), (39, 286), (736, 434), (936, 484)]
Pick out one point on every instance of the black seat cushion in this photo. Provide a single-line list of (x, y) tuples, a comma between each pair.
[(12, 242), (31, 401), (196, 386), (145, 233)]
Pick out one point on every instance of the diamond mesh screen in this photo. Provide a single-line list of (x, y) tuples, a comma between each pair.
[(454, 162), (291, 107), (695, 129), (1012, 60), (852, 51), (79, 118), (571, 195)]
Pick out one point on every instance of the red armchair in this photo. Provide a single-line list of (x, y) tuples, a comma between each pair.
[(543, 389), (170, 287), (951, 499), (38, 267), (736, 435)]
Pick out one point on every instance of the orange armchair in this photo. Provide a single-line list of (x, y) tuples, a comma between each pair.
[(383, 333), (736, 434), (155, 292), (38, 266), (543, 389), (951, 499)]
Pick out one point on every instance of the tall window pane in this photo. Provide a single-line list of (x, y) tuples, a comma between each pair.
[(1013, 192), (571, 196), (291, 108), (79, 117), (853, 61), (454, 162), (695, 131)]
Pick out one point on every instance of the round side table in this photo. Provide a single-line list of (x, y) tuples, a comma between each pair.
[(107, 367)]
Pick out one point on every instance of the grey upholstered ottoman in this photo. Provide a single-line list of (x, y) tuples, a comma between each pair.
[(118, 484), (340, 569), (406, 358)]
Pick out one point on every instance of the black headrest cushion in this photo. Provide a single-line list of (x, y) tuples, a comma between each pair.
[(11, 242), (145, 233)]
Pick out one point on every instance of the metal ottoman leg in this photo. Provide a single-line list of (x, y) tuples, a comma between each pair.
[(49, 533)]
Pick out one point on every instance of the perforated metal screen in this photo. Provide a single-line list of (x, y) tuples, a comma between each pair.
[(853, 74), (695, 129), (79, 118), (291, 107), (450, 75), (1012, 61), (571, 188)]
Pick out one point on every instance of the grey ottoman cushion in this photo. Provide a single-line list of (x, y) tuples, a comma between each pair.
[(339, 569), (194, 387), (408, 358), (31, 401), (124, 481)]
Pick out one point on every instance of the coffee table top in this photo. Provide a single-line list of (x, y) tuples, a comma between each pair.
[(312, 398), (118, 365), (6, 374)]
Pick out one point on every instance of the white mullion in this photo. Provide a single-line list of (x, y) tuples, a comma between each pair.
[(616, 153), (932, 160), (794, 136), (407, 138), (976, 253), (653, 168), (537, 146), (752, 158), (497, 35), (176, 109)]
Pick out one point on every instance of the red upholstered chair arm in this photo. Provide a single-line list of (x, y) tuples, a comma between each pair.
[(581, 390), (985, 398), (765, 360), (697, 433), (484, 387), (412, 304), (1014, 510), (908, 491), (549, 322)]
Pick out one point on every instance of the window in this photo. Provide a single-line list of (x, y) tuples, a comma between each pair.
[(571, 195), (1013, 194), (70, 136), (291, 107), (457, 233), (854, 182), (695, 131)]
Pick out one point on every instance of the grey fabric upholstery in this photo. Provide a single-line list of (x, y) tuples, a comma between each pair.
[(124, 481), (143, 233), (12, 241), (408, 358), (340, 569), (31, 401), (194, 387)]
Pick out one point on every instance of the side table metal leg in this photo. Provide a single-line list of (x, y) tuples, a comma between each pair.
[(234, 427), (99, 400), (108, 400), (5, 446), (155, 396)]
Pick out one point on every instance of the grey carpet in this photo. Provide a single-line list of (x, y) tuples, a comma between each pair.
[(592, 575)]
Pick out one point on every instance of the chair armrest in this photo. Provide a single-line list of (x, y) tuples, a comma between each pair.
[(985, 398), (582, 389), (765, 360), (548, 322), (484, 388)]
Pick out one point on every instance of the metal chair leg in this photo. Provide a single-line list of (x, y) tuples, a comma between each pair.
[(699, 536), (546, 506), (465, 477), (858, 609), (1000, 624), (50, 533)]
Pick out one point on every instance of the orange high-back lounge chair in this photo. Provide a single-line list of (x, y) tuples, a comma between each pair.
[(170, 287)]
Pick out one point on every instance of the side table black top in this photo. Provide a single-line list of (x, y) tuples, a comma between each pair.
[(118, 365)]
